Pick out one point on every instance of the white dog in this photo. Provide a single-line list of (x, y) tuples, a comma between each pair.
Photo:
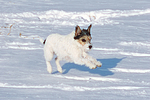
[(71, 47)]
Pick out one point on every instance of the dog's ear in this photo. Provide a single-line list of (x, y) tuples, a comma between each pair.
[(77, 30), (89, 28)]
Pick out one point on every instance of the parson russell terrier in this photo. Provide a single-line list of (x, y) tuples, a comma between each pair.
[(72, 48)]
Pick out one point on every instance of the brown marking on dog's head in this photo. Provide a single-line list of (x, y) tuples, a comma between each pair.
[(84, 40), (80, 33), (83, 36), (77, 31), (89, 28)]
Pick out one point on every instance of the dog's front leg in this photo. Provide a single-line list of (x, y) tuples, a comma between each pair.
[(93, 60), (83, 61), (49, 67)]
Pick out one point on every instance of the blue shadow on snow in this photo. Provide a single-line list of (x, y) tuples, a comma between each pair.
[(103, 71)]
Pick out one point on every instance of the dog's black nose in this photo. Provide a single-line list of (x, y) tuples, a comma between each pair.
[(90, 46)]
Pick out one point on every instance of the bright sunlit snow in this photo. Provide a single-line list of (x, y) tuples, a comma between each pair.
[(120, 38)]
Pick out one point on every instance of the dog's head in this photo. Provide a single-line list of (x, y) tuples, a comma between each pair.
[(83, 36)]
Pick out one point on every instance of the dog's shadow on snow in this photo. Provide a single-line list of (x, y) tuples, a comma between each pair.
[(103, 71)]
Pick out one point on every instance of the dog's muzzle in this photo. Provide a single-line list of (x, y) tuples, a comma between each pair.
[(90, 47)]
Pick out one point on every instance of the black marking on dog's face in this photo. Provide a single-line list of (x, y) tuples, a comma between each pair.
[(83, 36), (85, 40), (80, 33)]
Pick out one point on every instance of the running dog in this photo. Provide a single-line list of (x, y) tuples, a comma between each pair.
[(72, 48)]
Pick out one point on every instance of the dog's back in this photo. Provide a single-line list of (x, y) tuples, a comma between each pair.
[(61, 45)]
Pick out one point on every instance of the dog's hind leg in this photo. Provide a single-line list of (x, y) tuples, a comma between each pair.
[(58, 65), (48, 53), (49, 67)]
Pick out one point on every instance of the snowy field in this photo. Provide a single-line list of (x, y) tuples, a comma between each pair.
[(121, 40)]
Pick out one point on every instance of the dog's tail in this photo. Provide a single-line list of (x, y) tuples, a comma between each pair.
[(42, 41)]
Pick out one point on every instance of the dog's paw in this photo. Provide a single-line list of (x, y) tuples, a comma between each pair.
[(93, 67), (49, 70), (98, 64), (60, 71)]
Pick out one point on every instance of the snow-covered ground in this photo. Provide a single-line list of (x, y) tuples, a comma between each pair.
[(121, 40)]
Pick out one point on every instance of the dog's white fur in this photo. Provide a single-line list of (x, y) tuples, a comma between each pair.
[(65, 47)]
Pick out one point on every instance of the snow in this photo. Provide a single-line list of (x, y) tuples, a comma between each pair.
[(121, 40)]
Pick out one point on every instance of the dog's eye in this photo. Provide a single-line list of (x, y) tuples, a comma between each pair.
[(83, 40)]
